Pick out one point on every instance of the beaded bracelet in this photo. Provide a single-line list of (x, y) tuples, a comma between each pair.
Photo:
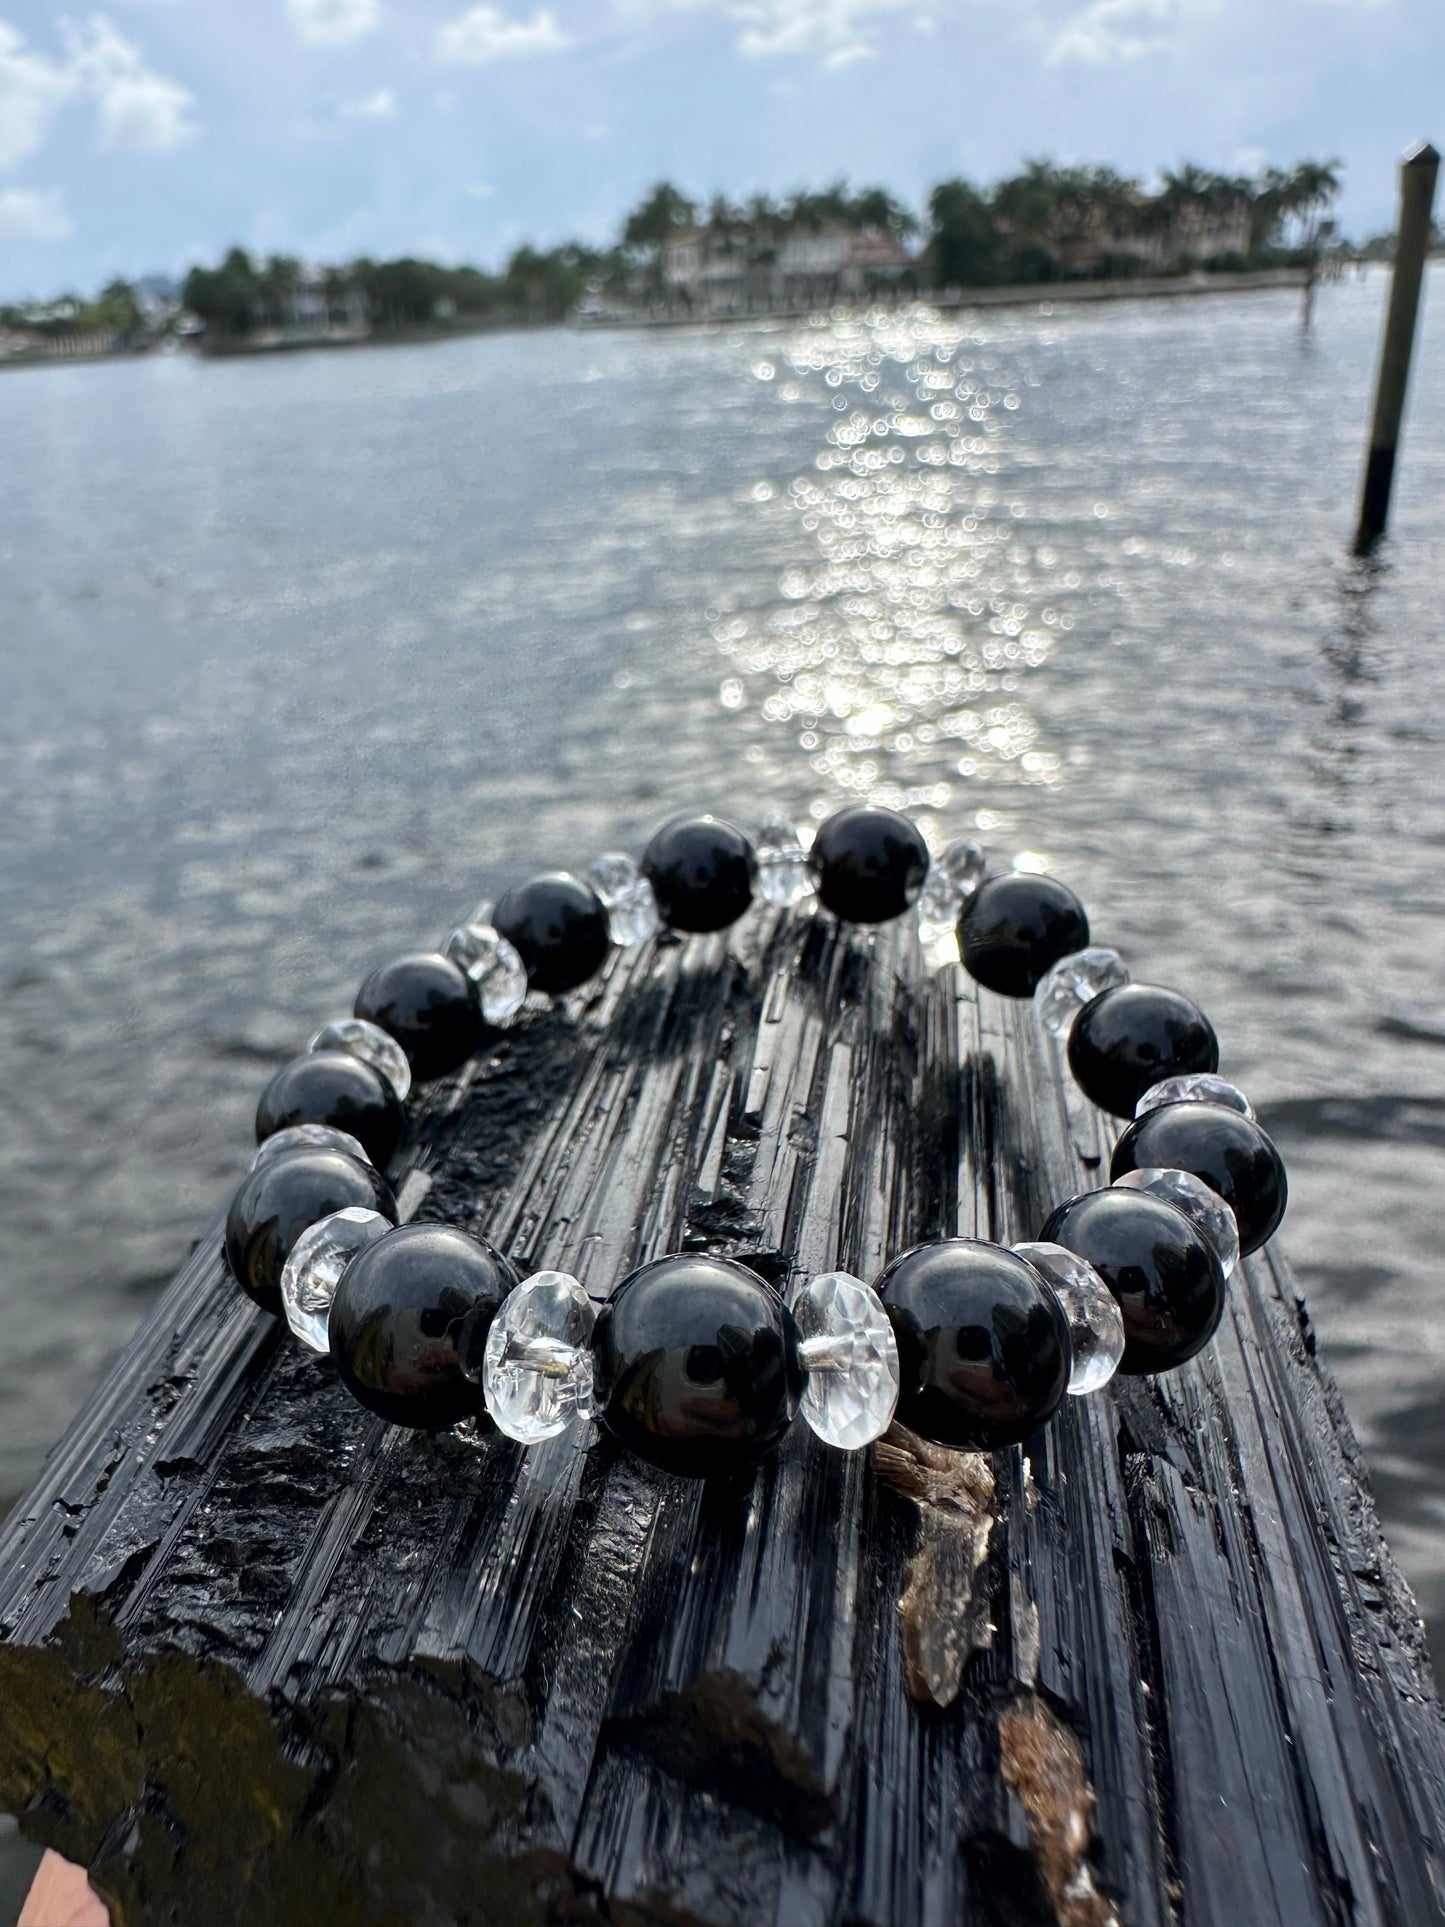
[(693, 1361)]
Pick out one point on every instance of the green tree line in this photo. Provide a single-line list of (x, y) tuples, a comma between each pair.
[(1043, 223)]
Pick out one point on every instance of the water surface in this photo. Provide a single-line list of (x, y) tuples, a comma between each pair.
[(302, 656)]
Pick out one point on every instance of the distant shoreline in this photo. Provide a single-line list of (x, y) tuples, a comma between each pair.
[(1044, 295), (1032, 294)]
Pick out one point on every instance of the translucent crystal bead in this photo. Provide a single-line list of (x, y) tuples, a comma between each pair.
[(313, 1270), (851, 1358), (372, 1045), (627, 897), (308, 1137), (494, 967), (1075, 981), (783, 876), (1202, 1087), (955, 873), (1096, 1324), (537, 1375), (1205, 1209)]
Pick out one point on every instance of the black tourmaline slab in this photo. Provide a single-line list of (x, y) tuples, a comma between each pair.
[(267, 1659)]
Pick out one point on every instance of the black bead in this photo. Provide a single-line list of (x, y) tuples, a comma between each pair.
[(1014, 929), (558, 927), (697, 1365), (286, 1196), (983, 1344), (702, 871), (1134, 1036), (1163, 1272), (409, 1323), (1223, 1148), (868, 864), (333, 1087), (427, 1004)]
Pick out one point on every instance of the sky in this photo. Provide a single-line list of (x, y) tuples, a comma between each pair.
[(155, 133)]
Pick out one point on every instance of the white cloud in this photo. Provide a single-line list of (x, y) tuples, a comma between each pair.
[(836, 31), (33, 214), (136, 107), (332, 23), (32, 91), (1110, 30), (139, 108), (378, 106), (486, 34)]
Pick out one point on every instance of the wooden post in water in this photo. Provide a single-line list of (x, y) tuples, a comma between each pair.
[(1418, 173)]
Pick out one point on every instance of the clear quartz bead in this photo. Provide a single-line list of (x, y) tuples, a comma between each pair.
[(1204, 1208), (955, 873), (851, 1358), (1096, 1325), (627, 897), (783, 876), (1202, 1087), (537, 1374), (1075, 981), (313, 1270), (372, 1045), (494, 967), (308, 1137)]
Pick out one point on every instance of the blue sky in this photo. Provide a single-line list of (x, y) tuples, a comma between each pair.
[(155, 132)]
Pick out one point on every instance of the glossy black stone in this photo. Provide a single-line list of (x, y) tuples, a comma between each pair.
[(868, 865), (1162, 1271), (427, 1004), (703, 873), (1136, 1035), (1228, 1151), (333, 1087), (983, 1344), (558, 927), (697, 1365), (1014, 929), (284, 1198), (409, 1321)]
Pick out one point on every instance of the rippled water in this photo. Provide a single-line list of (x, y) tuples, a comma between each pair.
[(302, 656)]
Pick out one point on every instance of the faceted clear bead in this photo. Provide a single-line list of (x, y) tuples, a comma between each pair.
[(308, 1137), (851, 1358), (1201, 1088), (1075, 981), (783, 875), (314, 1268), (372, 1045), (1096, 1325), (493, 966), (627, 896), (537, 1375), (955, 873), (1204, 1208)]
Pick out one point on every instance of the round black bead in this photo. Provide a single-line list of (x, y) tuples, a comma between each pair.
[(1223, 1148), (558, 927), (1014, 929), (697, 1365), (1136, 1035), (983, 1344), (1162, 1271), (333, 1087), (703, 873), (426, 1003), (867, 864), (284, 1198), (409, 1322)]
